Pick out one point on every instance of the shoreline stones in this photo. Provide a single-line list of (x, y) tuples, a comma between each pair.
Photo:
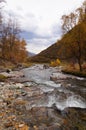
[(15, 115), (21, 108)]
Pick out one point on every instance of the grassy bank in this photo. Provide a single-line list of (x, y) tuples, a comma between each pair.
[(73, 69), (74, 72)]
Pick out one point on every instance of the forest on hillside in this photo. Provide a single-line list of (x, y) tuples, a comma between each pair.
[(72, 46), (74, 38)]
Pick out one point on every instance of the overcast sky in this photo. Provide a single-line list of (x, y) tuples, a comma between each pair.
[(40, 19)]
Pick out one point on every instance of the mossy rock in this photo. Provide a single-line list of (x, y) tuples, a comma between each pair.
[(2, 78)]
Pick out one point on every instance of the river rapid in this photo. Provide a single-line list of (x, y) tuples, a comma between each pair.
[(56, 88), (36, 98)]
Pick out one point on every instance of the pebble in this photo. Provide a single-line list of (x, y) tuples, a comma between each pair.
[(8, 124), (21, 125), (2, 83), (17, 110)]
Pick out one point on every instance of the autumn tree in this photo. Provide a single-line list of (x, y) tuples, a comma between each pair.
[(1, 20), (19, 53), (75, 25), (69, 21), (12, 47), (13, 34)]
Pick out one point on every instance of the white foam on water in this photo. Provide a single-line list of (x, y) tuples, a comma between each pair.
[(52, 84), (46, 89), (79, 78), (42, 77), (76, 101), (52, 100), (72, 101)]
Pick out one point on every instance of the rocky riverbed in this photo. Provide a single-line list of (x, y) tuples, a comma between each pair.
[(42, 99)]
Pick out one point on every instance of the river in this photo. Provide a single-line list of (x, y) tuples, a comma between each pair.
[(59, 89)]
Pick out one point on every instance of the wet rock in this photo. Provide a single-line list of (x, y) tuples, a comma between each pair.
[(24, 108), (8, 70), (74, 118), (29, 84), (58, 76), (23, 93), (8, 124), (18, 85), (13, 74), (45, 66), (21, 125), (56, 109), (53, 78), (2, 83), (7, 101)]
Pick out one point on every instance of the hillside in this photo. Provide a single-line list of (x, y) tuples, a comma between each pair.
[(56, 50), (48, 54), (31, 54), (72, 46)]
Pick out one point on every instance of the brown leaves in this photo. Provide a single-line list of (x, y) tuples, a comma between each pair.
[(21, 126)]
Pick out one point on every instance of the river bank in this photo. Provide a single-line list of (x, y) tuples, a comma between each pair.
[(30, 100), (75, 73)]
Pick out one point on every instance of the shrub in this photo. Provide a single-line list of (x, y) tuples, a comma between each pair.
[(55, 63), (58, 62)]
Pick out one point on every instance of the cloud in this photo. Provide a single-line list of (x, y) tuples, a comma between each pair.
[(29, 22), (37, 42), (40, 20), (38, 36), (19, 8), (57, 29), (28, 35), (36, 45)]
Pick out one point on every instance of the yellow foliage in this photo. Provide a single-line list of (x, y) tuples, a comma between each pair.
[(55, 63), (58, 62)]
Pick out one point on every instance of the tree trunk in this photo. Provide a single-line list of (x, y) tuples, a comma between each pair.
[(79, 52), (80, 66)]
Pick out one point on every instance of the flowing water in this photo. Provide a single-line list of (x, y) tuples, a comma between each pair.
[(64, 91)]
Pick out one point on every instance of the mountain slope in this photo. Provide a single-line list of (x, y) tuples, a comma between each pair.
[(72, 46), (48, 54), (31, 54)]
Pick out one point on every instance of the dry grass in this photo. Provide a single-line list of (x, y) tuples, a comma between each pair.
[(74, 70)]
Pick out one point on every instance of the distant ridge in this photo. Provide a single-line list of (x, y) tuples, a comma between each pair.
[(31, 54)]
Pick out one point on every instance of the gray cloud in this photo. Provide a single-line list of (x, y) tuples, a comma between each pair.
[(38, 20), (37, 42), (57, 29)]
